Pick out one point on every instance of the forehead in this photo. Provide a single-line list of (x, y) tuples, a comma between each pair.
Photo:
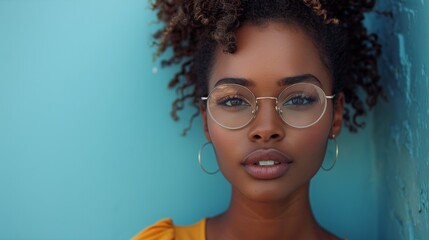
[(270, 52)]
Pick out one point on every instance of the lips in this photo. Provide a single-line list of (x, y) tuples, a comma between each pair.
[(266, 164)]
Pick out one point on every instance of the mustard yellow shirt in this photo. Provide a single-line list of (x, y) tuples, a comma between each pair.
[(166, 230)]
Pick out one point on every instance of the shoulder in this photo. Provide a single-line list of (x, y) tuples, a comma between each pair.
[(166, 230), (162, 230)]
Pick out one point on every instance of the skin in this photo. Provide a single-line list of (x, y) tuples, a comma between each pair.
[(278, 208)]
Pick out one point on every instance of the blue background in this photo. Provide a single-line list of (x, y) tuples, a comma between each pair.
[(88, 149), (401, 126)]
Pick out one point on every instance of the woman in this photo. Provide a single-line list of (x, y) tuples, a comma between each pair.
[(271, 80)]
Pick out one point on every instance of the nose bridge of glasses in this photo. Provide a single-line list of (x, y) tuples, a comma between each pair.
[(263, 98), (267, 98)]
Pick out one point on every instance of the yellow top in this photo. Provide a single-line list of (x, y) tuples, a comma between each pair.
[(166, 230)]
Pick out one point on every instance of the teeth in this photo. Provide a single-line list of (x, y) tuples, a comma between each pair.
[(267, 163)]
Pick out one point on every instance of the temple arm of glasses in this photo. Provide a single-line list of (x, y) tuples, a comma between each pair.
[(204, 98), (330, 97)]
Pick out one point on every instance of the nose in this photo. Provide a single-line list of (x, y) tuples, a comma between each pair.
[(267, 125)]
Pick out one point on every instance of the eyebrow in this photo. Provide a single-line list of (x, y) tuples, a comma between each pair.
[(282, 82), (239, 81), (298, 79)]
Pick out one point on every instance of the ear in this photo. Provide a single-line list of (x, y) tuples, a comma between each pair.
[(338, 114), (203, 112)]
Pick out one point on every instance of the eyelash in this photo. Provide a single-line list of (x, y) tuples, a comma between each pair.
[(309, 100), (227, 99)]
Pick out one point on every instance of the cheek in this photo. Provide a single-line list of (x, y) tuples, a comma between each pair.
[(311, 142), (312, 148), (229, 147)]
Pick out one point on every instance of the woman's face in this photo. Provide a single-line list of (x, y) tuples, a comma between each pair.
[(266, 55)]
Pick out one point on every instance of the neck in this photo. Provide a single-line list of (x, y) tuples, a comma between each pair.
[(289, 218)]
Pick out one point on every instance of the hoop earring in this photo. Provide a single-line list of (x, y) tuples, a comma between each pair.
[(336, 155), (200, 162)]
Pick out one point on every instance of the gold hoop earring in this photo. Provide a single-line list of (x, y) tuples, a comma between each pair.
[(336, 155), (200, 162)]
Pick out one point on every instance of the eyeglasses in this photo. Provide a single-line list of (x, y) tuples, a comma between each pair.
[(233, 106)]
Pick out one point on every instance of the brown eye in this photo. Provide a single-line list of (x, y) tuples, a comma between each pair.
[(233, 102), (299, 101)]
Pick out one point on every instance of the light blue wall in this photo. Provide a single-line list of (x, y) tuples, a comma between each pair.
[(401, 125), (87, 147)]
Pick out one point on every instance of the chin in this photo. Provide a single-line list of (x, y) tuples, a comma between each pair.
[(270, 192)]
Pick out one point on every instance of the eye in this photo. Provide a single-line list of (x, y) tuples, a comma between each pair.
[(233, 101), (300, 100)]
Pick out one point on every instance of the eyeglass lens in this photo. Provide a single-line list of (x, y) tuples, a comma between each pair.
[(233, 106)]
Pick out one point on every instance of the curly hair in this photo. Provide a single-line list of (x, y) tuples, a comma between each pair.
[(195, 28)]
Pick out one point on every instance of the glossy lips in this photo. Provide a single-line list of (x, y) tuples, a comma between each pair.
[(266, 164)]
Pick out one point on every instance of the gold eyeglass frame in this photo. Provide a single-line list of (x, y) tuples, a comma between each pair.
[(255, 110)]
